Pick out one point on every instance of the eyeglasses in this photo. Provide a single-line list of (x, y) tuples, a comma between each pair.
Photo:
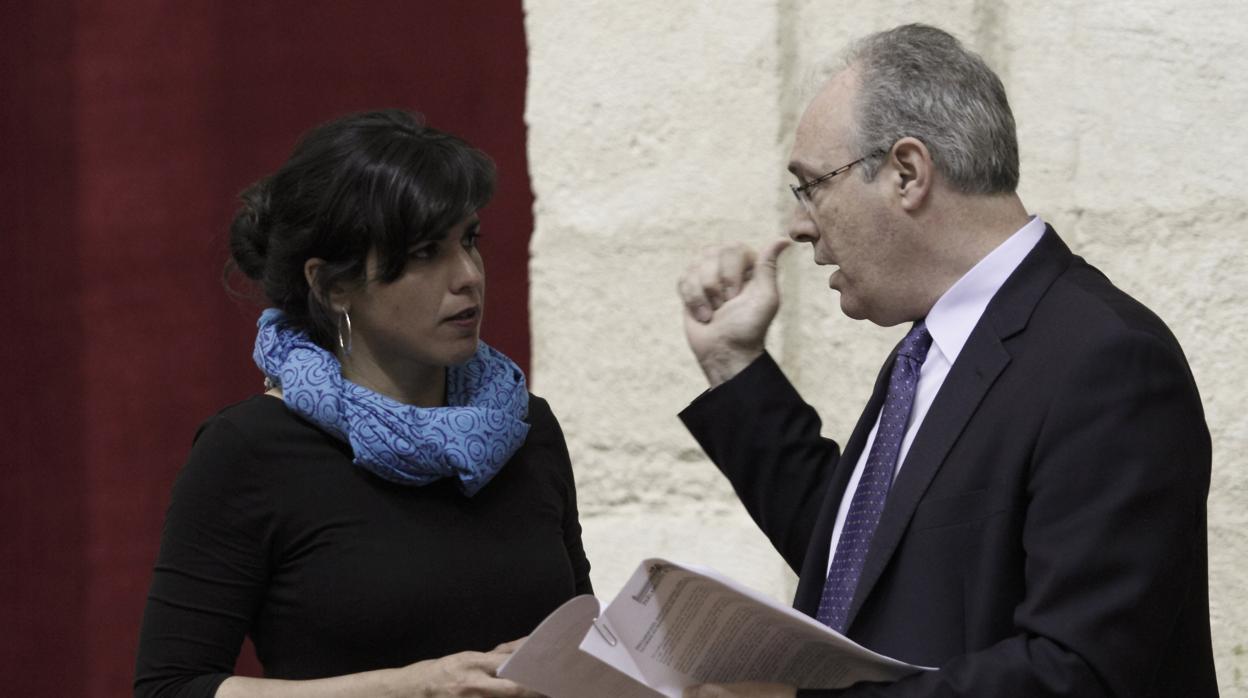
[(802, 193)]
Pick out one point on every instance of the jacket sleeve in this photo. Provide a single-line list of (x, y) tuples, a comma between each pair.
[(766, 440)]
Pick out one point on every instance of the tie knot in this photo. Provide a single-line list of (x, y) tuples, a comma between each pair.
[(916, 343)]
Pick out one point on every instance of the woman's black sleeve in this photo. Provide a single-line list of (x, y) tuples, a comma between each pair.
[(210, 574)]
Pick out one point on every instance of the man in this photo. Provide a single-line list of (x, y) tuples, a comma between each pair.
[(1022, 503)]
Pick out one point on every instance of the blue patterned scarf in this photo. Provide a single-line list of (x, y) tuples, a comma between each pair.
[(471, 439)]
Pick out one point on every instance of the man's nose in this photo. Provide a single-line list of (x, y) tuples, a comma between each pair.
[(802, 226)]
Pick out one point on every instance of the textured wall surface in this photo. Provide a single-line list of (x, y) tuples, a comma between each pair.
[(656, 128)]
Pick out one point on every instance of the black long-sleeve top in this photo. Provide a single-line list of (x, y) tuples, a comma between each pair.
[(272, 532)]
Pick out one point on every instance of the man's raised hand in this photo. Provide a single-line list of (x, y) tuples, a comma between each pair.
[(730, 297)]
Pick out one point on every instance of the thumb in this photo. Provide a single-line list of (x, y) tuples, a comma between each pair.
[(765, 268), (510, 647)]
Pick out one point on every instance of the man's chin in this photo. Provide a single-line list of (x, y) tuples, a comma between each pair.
[(854, 309), (851, 307)]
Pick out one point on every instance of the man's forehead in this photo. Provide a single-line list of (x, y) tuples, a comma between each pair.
[(824, 128)]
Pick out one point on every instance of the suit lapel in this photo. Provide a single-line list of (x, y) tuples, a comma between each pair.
[(968, 381), (815, 565), (981, 361)]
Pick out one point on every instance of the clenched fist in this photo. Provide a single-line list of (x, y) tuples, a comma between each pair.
[(730, 297)]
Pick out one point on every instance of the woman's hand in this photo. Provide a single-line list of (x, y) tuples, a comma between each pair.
[(464, 675)]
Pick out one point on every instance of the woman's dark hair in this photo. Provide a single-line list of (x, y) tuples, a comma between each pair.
[(379, 180)]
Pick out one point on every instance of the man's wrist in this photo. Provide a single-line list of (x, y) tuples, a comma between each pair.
[(720, 366)]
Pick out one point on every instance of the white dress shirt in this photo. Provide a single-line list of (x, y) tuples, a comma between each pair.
[(950, 322)]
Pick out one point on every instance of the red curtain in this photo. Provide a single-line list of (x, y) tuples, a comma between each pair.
[(128, 129)]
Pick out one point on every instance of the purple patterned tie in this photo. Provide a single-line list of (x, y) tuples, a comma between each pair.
[(877, 477)]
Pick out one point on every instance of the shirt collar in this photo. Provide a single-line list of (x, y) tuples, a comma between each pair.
[(956, 313)]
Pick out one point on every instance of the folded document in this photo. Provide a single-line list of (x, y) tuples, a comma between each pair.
[(673, 626)]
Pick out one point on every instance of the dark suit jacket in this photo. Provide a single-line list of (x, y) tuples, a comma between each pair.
[(1046, 534)]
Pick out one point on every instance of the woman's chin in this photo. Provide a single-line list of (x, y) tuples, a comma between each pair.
[(463, 353)]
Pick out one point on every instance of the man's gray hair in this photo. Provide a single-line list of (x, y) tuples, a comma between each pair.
[(919, 81)]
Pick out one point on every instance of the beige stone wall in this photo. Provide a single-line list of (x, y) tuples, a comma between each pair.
[(656, 128)]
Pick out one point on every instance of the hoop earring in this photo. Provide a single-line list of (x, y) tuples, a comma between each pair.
[(344, 345)]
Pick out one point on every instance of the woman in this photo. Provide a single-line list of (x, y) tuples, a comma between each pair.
[(397, 503)]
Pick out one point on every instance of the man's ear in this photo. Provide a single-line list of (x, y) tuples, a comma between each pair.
[(914, 172), (336, 299)]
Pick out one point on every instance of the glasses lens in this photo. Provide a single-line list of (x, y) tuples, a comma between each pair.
[(803, 198)]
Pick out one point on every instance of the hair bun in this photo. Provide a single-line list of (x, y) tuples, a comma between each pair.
[(249, 233)]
